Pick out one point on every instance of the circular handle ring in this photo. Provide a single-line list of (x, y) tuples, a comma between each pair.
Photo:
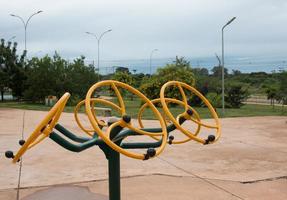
[(197, 93), (45, 127), (171, 100), (90, 132), (105, 136)]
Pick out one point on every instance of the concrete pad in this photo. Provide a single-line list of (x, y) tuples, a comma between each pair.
[(263, 190), (48, 163), (70, 192), (154, 187), (248, 150), (251, 149)]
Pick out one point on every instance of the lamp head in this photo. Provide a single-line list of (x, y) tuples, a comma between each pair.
[(230, 21)]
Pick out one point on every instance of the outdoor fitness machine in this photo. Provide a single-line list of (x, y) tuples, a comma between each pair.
[(113, 138)]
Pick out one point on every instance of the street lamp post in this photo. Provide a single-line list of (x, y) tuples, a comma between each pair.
[(26, 24), (150, 59), (222, 59), (98, 40)]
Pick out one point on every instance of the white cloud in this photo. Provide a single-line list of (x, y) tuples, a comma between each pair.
[(176, 27)]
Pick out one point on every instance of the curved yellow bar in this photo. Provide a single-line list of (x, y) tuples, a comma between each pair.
[(120, 98), (76, 111), (171, 100), (183, 96), (141, 111), (45, 127), (193, 90), (105, 135), (90, 132)]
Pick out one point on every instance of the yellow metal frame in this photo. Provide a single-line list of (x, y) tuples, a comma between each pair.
[(188, 133), (171, 100), (105, 135), (91, 131), (45, 127)]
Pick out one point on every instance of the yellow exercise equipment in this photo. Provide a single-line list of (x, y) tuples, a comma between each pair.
[(175, 101), (101, 123), (45, 127), (190, 112), (124, 122)]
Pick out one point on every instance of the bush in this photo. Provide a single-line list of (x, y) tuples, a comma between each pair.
[(235, 94), (124, 77), (214, 99)]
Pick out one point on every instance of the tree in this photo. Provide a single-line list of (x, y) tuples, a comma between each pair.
[(282, 92), (80, 77), (138, 79), (195, 100), (55, 76), (181, 62), (42, 79), (272, 94), (200, 71), (179, 70), (124, 77), (236, 72), (217, 71), (235, 94), (122, 69), (12, 69)]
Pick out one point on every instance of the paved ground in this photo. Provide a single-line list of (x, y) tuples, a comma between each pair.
[(249, 162)]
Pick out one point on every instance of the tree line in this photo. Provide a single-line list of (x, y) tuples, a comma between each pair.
[(36, 78)]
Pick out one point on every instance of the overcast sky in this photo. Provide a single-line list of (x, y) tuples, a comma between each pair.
[(190, 28)]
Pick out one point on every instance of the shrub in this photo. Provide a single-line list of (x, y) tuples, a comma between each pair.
[(214, 99), (235, 94)]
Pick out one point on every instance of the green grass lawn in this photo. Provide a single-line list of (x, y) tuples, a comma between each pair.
[(132, 108)]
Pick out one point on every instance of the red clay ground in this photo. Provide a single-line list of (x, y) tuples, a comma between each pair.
[(249, 162)]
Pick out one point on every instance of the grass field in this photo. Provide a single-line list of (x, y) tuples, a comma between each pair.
[(132, 108)]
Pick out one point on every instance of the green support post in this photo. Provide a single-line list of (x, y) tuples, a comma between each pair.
[(114, 175), (113, 158)]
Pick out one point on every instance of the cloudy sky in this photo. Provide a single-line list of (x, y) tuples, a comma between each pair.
[(190, 28)]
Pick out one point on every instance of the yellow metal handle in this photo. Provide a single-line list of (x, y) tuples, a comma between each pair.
[(90, 131), (105, 135), (188, 133), (45, 127), (176, 101)]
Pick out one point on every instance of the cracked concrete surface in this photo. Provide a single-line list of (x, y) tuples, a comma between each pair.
[(248, 162)]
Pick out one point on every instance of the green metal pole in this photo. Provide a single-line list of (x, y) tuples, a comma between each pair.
[(114, 175)]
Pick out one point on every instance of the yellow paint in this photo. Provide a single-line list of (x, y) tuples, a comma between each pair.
[(105, 135), (45, 127), (186, 106), (91, 131), (188, 133)]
